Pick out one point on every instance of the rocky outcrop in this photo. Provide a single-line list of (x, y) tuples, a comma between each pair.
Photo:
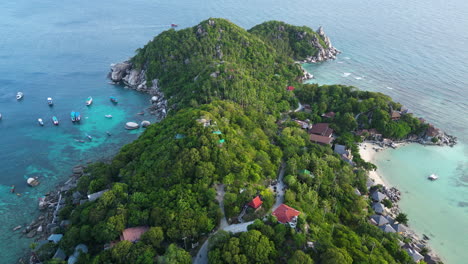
[(124, 73), (324, 53)]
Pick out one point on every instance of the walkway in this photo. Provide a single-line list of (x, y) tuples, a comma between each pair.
[(280, 187)]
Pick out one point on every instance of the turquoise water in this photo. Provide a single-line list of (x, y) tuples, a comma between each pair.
[(438, 209), (413, 50)]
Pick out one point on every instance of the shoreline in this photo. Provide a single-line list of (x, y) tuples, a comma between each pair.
[(368, 151)]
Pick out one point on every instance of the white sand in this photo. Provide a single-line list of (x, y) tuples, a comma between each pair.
[(367, 152)]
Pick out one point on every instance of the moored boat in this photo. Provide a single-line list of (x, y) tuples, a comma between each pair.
[(49, 101), (113, 99), (19, 96), (73, 116), (433, 177), (77, 116), (55, 120), (89, 101), (108, 116), (89, 137), (0, 116), (40, 121), (174, 25)]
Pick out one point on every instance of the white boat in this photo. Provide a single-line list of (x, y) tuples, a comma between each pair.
[(0, 116), (89, 101), (108, 116), (433, 177), (49, 101), (19, 95), (40, 121)]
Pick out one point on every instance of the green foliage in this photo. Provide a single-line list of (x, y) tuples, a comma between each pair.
[(218, 60), (293, 41), (299, 257), (175, 255), (387, 203), (402, 218)]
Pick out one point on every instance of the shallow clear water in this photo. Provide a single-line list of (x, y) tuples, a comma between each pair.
[(413, 50), (439, 208)]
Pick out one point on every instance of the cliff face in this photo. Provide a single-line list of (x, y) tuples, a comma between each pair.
[(301, 43), (125, 73)]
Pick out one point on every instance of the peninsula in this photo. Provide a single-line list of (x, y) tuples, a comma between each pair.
[(236, 172)]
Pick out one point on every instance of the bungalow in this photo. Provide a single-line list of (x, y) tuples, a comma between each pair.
[(55, 238), (329, 115), (378, 220), (378, 208), (387, 228), (290, 88), (395, 115), (307, 108), (399, 228), (321, 139), (378, 196), (414, 254), (286, 215), (432, 132), (302, 124), (256, 202), (133, 234), (344, 153), (321, 129)]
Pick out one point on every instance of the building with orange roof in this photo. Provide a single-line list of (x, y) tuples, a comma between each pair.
[(286, 214), (256, 202)]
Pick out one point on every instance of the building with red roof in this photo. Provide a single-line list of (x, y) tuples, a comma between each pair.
[(256, 202), (133, 234), (286, 214), (290, 88), (321, 139), (321, 129), (329, 115)]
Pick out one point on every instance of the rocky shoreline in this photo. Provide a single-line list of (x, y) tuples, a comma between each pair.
[(323, 54), (125, 74), (48, 222)]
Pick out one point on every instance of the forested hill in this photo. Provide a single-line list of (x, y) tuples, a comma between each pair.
[(219, 60), (224, 142)]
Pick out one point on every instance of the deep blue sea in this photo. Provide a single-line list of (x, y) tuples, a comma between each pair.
[(415, 51)]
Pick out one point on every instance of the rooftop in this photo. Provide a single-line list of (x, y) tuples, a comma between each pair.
[(133, 234), (321, 129), (285, 214), (378, 196), (321, 139), (256, 202)]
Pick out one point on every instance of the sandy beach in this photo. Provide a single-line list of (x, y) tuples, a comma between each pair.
[(367, 151)]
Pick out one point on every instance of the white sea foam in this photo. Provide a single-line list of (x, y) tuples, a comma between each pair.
[(358, 78), (388, 87), (347, 58), (340, 62), (346, 74)]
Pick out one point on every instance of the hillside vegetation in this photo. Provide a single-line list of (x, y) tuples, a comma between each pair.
[(229, 125)]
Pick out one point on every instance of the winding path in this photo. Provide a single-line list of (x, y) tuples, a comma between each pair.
[(202, 255)]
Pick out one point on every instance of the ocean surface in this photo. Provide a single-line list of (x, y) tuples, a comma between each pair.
[(414, 51)]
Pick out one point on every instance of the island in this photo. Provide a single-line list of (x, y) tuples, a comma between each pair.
[(248, 164)]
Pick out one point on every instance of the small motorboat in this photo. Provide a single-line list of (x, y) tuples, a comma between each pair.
[(141, 113), (108, 116), (40, 121), (113, 99), (0, 116), (79, 140), (108, 133), (174, 25), (73, 116), (49, 101), (19, 96), (77, 116), (89, 101), (433, 177), (89, 137), (55, 120)]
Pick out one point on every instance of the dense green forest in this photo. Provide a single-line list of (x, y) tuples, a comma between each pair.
[(293, 41), (233, 129)]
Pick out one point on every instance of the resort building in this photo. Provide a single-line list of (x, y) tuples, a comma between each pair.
[(378, 196), (256, 202), (378, 208), (133, 234), (387, 228), (395, 115), (329, 115), (321, 133), (414, 254), (378, 220), (344, 153), (286, 215)]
